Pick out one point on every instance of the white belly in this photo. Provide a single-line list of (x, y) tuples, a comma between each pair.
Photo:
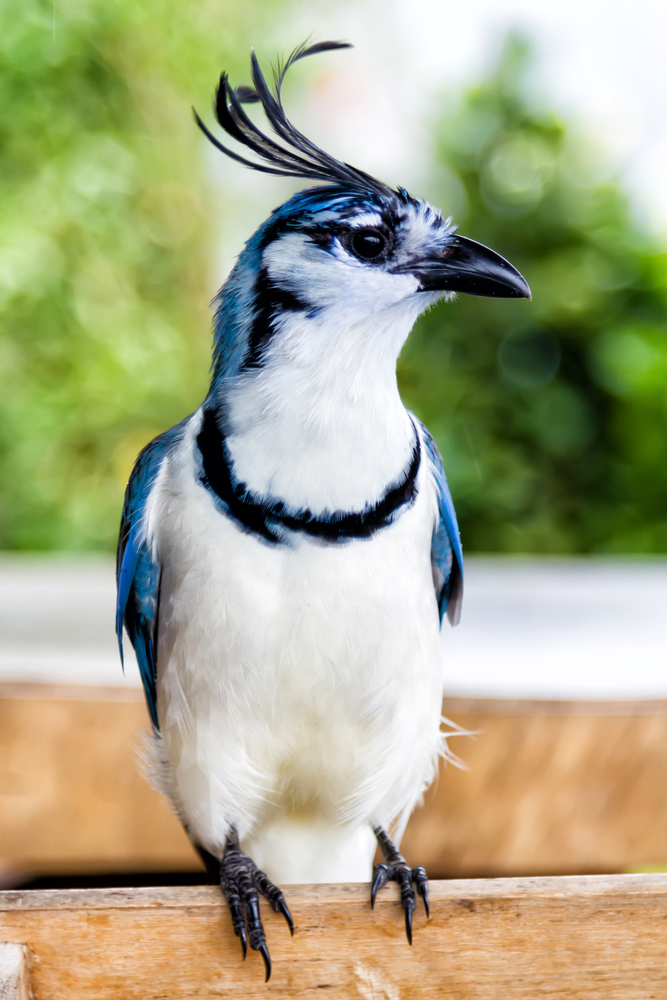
[(299, 687)]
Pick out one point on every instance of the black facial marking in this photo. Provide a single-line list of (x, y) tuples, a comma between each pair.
[(366, 243), (270, 518), (271, 301)]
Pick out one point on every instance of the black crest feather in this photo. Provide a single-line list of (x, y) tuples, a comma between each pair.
[(296, 155)]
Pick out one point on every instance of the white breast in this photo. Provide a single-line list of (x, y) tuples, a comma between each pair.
[(299, 687)]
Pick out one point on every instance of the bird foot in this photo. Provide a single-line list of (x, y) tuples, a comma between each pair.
[(396, 869), (242, 882)]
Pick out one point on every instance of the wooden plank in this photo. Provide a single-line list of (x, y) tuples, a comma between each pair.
[(72, 796), (551, 787), (598, 938), (548, 792), (14, 978)]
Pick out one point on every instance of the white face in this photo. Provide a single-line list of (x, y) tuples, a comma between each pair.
[(355, 264)]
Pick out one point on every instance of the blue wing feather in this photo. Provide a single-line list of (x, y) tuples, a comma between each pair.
[(138, 569), (446, 554)]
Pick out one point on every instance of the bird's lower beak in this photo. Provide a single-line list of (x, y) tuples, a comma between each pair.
[(467, 266)]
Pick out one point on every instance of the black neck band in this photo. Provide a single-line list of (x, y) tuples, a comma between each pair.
[(270, 518)]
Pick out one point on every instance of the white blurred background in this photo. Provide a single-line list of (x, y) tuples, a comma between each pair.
[(531, 628)]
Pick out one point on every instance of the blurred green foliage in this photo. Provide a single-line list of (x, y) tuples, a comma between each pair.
[(105, 248), (551, 415)]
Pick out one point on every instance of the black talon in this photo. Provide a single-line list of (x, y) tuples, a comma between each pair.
[(408, 923), (403, 876), (274, 896), (264, 952), (282, 907), (394, 868), (242, 882), (381, 875), (420, 878)]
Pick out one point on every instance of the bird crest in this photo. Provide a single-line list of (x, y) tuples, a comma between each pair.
[(295, 155)]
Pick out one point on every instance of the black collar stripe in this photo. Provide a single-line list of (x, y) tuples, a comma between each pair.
[(270, 518)]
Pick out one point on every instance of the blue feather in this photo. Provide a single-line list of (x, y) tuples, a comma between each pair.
[(446, 554), (137, 570)]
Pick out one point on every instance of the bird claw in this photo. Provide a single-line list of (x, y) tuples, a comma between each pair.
[(264, 952), (381, 875), (242, 882), (281, 907), (274, 896), (396, 869), (420, 878)]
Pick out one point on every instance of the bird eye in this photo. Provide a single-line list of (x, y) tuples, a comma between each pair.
[(367, 244)]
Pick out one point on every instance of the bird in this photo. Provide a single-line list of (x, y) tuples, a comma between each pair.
[(289, 551)]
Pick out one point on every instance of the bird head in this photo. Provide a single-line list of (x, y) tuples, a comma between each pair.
[(336, 254)]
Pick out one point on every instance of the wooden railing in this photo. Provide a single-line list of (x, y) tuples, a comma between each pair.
[(593, 937)]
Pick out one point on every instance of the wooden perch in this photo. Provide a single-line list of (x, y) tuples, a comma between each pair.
[(593, 937)]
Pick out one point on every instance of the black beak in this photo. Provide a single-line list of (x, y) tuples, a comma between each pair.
[(466, 266)]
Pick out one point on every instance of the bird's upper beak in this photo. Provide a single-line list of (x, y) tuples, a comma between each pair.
[(467, 266)]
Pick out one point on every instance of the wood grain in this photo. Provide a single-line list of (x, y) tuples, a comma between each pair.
[(551, 787), (598, 938)]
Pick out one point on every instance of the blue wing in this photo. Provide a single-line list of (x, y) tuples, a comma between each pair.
[(138, 570), (446, 554)]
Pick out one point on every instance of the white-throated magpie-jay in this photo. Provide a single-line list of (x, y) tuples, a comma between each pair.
[(288, 551)]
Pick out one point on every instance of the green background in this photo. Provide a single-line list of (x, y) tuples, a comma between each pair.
[(551, 415)]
